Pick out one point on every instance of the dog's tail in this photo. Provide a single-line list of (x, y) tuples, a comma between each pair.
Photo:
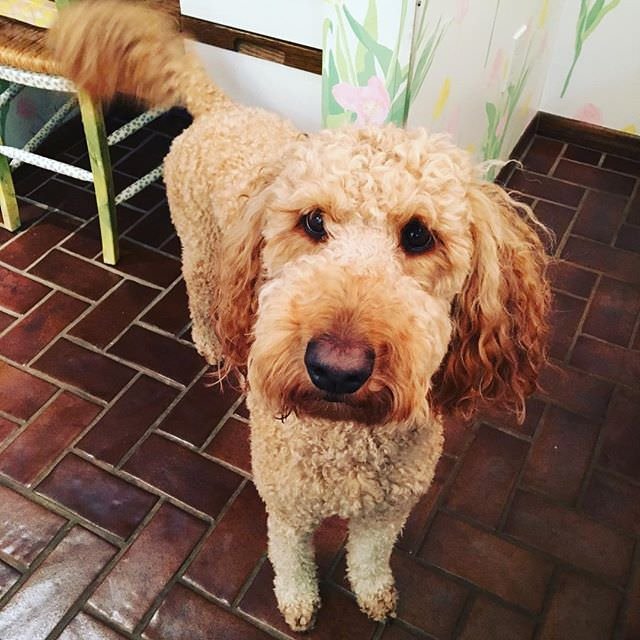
[(110, 46)]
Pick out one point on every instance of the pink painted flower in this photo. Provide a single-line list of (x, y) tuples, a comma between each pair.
[(371, 104), (590, 113)]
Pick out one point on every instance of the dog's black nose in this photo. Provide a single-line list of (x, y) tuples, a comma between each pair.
[(338, 365)]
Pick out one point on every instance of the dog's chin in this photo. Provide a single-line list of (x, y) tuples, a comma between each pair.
[(366, 409)]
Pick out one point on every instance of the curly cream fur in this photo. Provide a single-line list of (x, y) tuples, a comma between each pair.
[(459, 325)]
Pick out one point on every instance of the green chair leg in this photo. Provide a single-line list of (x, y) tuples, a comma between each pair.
[(94, 130), (8, 202)]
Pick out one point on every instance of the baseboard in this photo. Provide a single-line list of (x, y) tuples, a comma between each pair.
[(588, 135)]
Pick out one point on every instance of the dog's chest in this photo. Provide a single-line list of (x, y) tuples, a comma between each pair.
[(348, 470)]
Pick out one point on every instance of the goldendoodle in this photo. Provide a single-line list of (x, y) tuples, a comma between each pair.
[(367, 281)]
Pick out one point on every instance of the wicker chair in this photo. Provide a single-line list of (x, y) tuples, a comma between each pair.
[(25, 62)]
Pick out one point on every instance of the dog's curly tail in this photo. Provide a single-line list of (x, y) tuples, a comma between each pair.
[(110, 46)]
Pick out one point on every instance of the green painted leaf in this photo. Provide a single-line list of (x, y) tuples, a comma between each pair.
[(594, 25), (383, 54), (593, 14)]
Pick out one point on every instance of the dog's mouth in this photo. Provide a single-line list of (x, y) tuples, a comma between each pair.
[(365, 408)]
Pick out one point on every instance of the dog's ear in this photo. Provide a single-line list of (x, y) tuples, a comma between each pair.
[(239, 271), (500, 317)]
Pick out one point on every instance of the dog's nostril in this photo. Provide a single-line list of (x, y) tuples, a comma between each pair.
[(337, 365)]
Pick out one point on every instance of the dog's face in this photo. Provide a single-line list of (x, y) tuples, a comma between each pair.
[(366, 241)]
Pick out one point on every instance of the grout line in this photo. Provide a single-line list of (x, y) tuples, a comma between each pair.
[(565, 237), (585, 313)]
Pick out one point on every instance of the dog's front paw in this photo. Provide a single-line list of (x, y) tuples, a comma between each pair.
[(380, 604), (300, 614)]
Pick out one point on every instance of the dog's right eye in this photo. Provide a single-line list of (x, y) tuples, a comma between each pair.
[(313, 224)]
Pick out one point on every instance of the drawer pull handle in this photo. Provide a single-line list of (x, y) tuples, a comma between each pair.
[(260, 51)]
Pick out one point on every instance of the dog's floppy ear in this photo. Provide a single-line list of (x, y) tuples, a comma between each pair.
[(239, 271), (500, 317)]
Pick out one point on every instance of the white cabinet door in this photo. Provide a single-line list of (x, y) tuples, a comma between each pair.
[(297, 21)]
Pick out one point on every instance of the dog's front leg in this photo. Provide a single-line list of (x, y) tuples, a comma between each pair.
[(369, 549), (296, 585)]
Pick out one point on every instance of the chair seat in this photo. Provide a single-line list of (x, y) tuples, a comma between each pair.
[(23, 46)]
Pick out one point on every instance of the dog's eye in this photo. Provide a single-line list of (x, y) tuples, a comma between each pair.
[(416, 238), (313, 224)]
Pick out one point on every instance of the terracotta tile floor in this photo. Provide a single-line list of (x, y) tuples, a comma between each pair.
[(126, 504)]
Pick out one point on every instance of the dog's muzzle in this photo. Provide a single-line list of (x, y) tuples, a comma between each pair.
[(338, 366)]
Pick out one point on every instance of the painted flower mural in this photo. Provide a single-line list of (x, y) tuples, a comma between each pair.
[(369, 75)]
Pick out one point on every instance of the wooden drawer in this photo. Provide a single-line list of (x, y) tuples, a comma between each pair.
[(298, 21)]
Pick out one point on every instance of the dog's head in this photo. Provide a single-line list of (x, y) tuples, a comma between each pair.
[(372, 270)]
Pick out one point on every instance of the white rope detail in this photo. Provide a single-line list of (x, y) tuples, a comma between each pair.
[(47, 163), (134, 125), (53, 122), (138, 185), (38, 80), (9, 93)]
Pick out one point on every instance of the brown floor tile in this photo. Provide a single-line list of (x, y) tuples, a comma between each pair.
[(231, 552), (490, 620), (47, 437), (566, 313), (66, 197), (199, 411), (633, 212), (77, 275), (599, 216), (541, 186), (542, 154), (580, 609), (616, 263), (457, 435), (428, 600), (105, 499), (8, 577), (628, 238), (159, 353), (394, 630), (607, 360), (148, 564), (473, 554), (37, 240), (149, 198), (582, 154), (170, 313), (575, 390), (570, 536), (146, 157), (22, 393), (556, 218), (613, 311), (113, 314), (7, 428), (613, 501), (45, 597), (26, 528), (185, 615), (594, 177), (560, 454), (147, 264), (86, 241), (5, 320), (127, 420), (622, 165), (413, 530), (631, 615), (509, 421), (231, 444), (156, 228), (338, 618), (173, 246), (40, 327), (199, 482), (570, 278), (19, 293), (92, 372), (83, 627), (487, 476), (621, 446), (328, 541)]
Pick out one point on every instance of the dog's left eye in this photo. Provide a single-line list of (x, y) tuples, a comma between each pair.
[(416, 238), (313, 224)]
